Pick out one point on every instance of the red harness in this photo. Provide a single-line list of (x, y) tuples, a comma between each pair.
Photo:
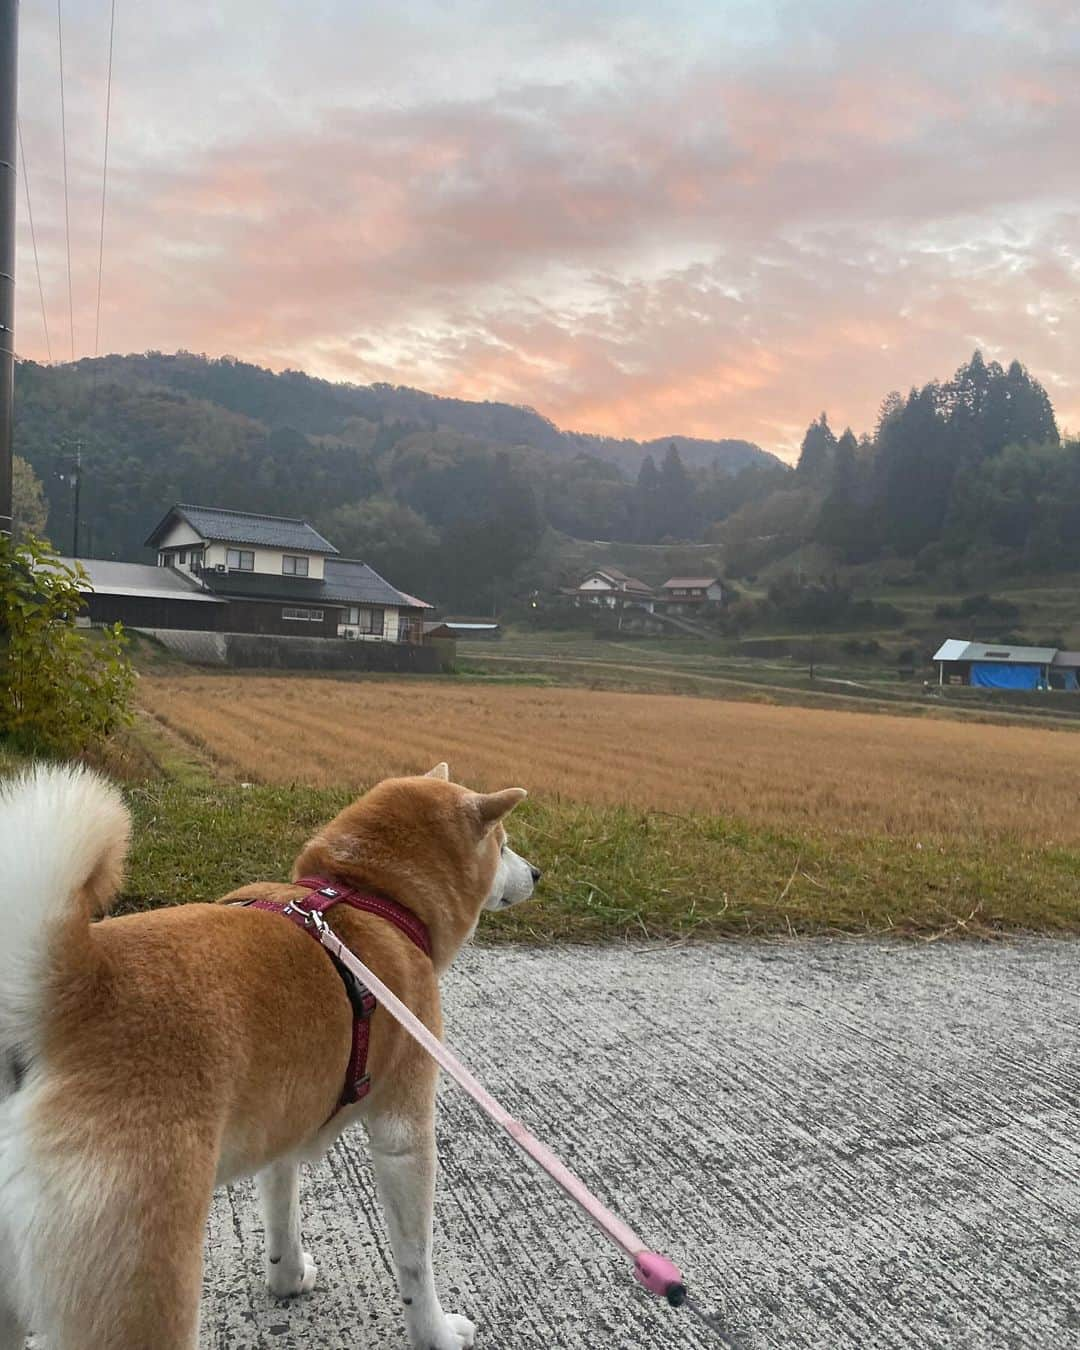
[(321, 896)]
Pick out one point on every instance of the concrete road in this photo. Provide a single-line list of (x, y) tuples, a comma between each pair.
[(844, 1145)]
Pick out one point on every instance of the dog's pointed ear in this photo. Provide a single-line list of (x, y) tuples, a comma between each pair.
[(492, 806), (439, 771)]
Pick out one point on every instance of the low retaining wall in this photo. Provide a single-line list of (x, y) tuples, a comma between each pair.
[(266, 651)]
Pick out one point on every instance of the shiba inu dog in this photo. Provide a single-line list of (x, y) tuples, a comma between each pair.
[(148, 1058)]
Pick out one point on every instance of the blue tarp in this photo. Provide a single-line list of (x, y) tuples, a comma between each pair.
[(995, 675)]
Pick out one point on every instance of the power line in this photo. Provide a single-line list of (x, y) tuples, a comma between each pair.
[(63, 135), (33, 240), (104, 176)]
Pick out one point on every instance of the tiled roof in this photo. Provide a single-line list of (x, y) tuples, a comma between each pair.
[(345, 583), (684, 582), (624, 581), (245, 527), (414, 603), (269, 586), (358, 584)]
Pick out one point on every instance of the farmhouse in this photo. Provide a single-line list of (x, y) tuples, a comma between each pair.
[(988, 665), (240, 572), (690, 595), (610, 588)]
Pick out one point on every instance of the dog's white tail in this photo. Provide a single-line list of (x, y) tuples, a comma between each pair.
[(64, 835)]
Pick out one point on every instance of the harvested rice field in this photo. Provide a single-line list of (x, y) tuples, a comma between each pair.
[(794, 769)]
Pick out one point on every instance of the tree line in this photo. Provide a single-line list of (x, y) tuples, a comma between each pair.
[(970, 473), (467, 508)]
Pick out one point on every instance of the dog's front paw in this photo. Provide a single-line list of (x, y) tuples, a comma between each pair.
[(457, 1333), (287, 1281)]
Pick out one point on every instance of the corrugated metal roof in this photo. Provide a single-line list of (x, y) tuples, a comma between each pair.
[(952, 649), (1071, 659), (989, 651), (121, 578), (955, 649), (245, 527), (691, 581)]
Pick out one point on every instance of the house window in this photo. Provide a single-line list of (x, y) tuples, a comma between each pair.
[(240, 559), (293, 566), (367, 620), (303, 615), (181, 557)]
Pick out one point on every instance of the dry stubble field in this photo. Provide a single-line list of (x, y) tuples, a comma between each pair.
[(793, 769)]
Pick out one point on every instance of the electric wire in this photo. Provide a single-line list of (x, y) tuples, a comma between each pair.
[(104, 176), (63, 136), (33, 241)]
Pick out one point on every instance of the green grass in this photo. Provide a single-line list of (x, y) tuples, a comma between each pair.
[(618, 874)]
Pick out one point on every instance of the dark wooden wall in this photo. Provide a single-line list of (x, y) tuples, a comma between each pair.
[(149, 611)]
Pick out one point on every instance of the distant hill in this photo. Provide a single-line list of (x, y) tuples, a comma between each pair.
[(471, 503), (458, 502), (321, 408)]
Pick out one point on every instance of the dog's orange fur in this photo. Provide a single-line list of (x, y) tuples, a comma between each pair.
[(194, 1044)]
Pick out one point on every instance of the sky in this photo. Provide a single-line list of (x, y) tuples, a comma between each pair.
[(703, 217)]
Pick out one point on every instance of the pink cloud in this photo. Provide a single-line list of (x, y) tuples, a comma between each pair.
[(687, 245)]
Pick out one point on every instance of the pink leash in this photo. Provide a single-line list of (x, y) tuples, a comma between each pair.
[(654, 1272)]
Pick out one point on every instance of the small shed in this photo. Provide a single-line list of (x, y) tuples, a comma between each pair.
[(987, 665)]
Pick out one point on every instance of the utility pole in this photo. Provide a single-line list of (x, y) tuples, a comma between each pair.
[(9, 89)]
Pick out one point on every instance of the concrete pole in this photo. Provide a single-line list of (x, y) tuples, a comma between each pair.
[(9, 89)]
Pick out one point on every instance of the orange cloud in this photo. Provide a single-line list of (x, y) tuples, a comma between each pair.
[(668, 242)]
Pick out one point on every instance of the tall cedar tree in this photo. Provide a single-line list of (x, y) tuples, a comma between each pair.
[(818, 449)]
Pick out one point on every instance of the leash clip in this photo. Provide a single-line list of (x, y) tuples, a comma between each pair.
[(311, 917)]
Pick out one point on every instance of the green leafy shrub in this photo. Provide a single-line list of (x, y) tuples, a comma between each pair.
[(62, 691)]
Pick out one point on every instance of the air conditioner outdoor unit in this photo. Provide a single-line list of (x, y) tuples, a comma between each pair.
[(220, 567)]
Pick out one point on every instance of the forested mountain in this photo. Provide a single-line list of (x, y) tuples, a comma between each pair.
[(451, 499), (320, 408), (465, 503)]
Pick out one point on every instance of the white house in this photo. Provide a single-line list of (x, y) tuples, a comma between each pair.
[(209, 539), (610, 588), (279, 575)]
